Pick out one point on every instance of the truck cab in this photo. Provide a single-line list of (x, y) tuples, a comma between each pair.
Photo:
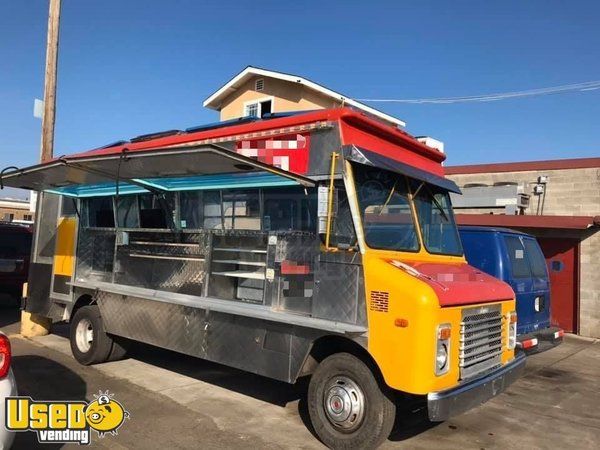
[(517, 259)]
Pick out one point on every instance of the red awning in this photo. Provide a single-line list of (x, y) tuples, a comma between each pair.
[(500, 220)]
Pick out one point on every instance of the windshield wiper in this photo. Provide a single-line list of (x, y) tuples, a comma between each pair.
[(438, 205)]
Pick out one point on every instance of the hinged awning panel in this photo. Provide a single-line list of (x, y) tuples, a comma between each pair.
[(158, 169)]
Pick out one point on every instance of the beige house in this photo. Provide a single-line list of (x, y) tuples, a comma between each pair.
[(256, 92)]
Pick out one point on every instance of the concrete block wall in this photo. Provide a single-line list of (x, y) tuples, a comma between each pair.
[(589, 286), (570, 192)]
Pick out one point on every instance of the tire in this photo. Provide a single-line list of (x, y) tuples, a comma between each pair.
[(89, 342), (345, 425), (119, 348)]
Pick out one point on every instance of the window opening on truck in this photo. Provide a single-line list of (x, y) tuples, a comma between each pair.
[(436, 220), (100, 213), (128, 215), (156, 211), (287, 209), (385, 209), (241, 210)]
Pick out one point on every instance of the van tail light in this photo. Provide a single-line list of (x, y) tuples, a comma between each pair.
[(5, 355), (558, 334), (528, 343)]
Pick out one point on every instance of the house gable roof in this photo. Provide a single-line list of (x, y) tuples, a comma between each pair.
[(215, 100)]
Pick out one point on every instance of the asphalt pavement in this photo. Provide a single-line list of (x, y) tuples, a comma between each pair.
[(176, 401)]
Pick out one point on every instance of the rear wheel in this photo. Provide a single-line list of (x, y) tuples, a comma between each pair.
[(347, 406), (89, 342)]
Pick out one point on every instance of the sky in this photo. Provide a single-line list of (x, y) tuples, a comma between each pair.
[(129, 67)]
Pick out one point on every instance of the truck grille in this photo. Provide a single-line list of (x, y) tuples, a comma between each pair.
[(481, 339)]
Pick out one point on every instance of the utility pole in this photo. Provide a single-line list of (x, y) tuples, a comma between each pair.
[(50, 82), (33, 324)]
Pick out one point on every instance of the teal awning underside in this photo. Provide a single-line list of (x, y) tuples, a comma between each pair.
[(196, 183)]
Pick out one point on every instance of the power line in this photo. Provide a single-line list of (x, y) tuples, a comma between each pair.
[(582, 87)]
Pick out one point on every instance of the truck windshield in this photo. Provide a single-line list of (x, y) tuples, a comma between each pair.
[(385, 209), (438, 228)]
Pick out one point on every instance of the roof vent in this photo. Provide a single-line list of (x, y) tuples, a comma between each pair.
[(259, 84), (431, 142)]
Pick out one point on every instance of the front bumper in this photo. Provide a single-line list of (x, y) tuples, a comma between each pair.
[(445, 404)]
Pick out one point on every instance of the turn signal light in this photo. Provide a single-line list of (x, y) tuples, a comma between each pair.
[(444, 333)]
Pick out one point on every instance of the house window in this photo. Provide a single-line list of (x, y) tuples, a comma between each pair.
[(9, 217), (258, 108), (27, 217), (252, 110)]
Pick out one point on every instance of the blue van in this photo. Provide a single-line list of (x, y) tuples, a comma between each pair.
[(517, 259)]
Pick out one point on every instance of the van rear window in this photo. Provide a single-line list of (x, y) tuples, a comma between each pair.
[(536, 258), (518, 259)]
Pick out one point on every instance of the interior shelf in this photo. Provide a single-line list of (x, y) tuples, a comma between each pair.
[(236, 250), (172, 257), (242, 274), (240, 262)]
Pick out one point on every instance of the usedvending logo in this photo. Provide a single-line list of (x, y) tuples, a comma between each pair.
[(65, 421)]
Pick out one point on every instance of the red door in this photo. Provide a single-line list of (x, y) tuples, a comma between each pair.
[(562, 258)]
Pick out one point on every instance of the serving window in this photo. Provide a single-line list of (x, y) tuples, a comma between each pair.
[(270, 209)]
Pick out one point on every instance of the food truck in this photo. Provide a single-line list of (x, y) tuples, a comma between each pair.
[(317, 244)]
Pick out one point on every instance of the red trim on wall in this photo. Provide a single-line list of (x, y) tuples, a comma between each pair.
[(500, 220), (555, 164)]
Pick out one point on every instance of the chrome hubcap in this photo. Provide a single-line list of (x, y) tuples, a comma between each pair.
[(344, 403), (84, 335)]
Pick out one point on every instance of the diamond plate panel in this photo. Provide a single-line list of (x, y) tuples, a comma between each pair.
[(95, 254), (340, 293), (167, 325)]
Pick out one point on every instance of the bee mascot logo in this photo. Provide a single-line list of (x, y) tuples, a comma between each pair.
[(65, 421), (105, 414)]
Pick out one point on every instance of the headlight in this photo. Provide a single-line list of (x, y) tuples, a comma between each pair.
[(511, 342), (442, 349)]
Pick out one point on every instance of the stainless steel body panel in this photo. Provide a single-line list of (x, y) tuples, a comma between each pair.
[(224, 306), (247, 337)]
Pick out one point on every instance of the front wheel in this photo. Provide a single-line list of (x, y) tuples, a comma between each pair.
[(347, 406)]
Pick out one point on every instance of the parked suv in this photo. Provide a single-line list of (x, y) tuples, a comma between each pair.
[(517, 259), (15, 248)]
